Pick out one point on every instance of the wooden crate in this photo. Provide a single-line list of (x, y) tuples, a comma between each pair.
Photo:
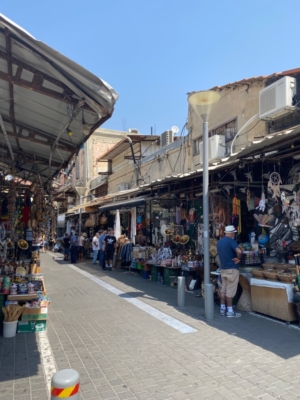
[(272, 302)]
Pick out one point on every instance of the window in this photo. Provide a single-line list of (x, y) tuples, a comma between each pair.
[(196, 146), (229, 130)]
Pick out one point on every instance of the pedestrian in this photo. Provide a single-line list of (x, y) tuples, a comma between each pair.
[(110, 248), (81, 240), (43, 244), (103, 233), (74, 248), (67, 243), (95, 245), (51, 242), (230, 255)]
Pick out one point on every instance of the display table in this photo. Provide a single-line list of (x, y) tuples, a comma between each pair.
[(274, 299)]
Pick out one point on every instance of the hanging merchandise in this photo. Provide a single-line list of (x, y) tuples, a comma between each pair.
[(235, 219), (263, 220), (274, 184), (262, 203)]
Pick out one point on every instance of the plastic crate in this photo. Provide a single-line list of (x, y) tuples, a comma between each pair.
[(168, 272), (252, 259)]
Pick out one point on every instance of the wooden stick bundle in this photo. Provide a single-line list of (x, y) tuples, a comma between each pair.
[(12, 312)]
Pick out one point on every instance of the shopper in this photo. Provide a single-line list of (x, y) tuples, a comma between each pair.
[(110, 248), (81, 240), (95, 245), (67, 243), (43, 244), (74, 248), (230, 255), (101, 251)]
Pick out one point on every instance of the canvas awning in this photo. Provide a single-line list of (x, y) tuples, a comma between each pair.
[(43, 94)]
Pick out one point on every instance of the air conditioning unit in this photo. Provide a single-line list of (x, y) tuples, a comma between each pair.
[(166, 138), (123, 186), (133, 131), (216, 148), (277, 99)]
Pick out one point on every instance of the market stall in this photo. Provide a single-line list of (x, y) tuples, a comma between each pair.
[(24, 301)]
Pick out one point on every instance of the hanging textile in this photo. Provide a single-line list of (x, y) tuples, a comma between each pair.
[(117, 225), (133, 224)]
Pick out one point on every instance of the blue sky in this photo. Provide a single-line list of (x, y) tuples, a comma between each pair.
[(154, 52)]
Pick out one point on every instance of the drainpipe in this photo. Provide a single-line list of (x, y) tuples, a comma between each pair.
[(136, 167)]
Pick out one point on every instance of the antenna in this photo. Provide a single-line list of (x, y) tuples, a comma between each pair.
[(175, 129)]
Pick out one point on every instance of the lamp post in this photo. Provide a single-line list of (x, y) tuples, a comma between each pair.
[(202, 103)]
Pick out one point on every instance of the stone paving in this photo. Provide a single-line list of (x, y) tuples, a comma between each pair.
[(121, 352)]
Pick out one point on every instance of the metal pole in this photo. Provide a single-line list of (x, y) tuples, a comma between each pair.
[(80, 220), (181, 291), (209, 299)]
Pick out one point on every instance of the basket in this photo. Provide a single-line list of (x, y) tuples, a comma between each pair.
[(271, 274), (258, 273), (286, 277)]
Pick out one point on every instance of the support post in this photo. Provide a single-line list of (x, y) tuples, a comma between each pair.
[(209, 298), (181, 291)]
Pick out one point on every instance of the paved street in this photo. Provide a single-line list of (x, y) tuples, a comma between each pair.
[(107, 330)]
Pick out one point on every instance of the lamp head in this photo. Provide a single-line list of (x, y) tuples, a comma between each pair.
[(202, 102)]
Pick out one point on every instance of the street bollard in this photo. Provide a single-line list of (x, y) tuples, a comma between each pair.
[(181, 291), (65, 384), (209, 304)]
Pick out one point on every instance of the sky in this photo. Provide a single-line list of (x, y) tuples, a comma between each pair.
[(153, 52)]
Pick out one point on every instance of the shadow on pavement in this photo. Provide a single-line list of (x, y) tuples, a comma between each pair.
[(270, 335)]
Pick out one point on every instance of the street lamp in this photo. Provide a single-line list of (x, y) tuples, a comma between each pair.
[(202, 103)]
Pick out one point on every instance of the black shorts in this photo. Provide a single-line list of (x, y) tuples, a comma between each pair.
[(109, 254)]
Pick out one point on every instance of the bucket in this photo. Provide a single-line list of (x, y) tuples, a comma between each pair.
[(9, 329)]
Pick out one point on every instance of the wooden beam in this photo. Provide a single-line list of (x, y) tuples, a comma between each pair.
[(32, 132), (48, 143)]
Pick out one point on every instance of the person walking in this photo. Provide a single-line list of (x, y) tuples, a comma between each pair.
[(74, 248), (67, 243), (230, 255), (101, 251), (81, 240), (95, 246), (110, 248)]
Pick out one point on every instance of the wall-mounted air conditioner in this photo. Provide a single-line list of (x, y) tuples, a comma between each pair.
[(216, 148), (166, 138), (277, 99), (133, 131), (123, 186)]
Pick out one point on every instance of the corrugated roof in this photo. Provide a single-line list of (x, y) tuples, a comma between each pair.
[(42, 93)]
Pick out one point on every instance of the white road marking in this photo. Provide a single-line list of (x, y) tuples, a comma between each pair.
[(48, 361), (173, 322)]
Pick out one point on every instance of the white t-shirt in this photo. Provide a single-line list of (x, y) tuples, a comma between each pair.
[(95, 243), (80, 240)]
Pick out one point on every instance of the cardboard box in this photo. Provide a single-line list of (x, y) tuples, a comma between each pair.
[(31, 326), (34, 314)]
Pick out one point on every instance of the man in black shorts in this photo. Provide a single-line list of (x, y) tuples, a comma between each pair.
[(110, 248)]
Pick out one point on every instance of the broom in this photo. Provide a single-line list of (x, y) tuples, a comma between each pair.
[(12, 312)]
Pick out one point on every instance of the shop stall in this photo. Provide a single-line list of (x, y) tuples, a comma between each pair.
[(24, 301)]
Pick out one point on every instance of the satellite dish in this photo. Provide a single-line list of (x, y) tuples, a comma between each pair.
[(175, 129)]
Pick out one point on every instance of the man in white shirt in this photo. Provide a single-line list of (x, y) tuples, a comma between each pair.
[(95, 245)]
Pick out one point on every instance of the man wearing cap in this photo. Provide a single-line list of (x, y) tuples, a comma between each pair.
[(230, 255)]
